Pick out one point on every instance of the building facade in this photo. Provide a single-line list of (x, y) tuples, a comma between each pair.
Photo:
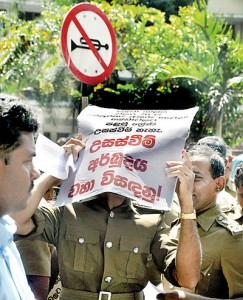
[(231, 11)]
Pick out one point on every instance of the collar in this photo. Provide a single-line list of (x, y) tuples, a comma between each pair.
[(127, 204), (7, 229), (206, 218)]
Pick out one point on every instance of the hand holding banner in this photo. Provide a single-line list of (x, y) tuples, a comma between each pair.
[(126, 153)]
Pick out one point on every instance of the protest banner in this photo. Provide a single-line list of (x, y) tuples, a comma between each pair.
[(126, 153)]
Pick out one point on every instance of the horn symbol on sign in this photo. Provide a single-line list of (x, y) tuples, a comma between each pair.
[(96, 43)]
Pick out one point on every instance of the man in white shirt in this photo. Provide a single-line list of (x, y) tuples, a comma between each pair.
[(17, 148)]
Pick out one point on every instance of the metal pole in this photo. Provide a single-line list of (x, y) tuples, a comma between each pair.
[(85, 98)]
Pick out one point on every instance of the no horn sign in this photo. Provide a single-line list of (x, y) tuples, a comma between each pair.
[(88, 43)]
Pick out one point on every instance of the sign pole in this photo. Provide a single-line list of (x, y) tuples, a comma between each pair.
[(85, 97)]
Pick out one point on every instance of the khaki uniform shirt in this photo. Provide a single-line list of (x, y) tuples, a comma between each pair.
[(222, 255), (36, 257), (110, 250), (222, 261)]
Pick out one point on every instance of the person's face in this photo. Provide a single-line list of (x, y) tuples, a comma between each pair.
[(16, 177), (205, 188), (239, 194), (228, 166)]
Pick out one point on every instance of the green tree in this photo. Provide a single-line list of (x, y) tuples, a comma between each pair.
[(214, 66), (30, 51)]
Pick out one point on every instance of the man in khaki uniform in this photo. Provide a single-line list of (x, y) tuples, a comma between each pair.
[(237, 215), (40, 259), (221, 238), (106, 248)]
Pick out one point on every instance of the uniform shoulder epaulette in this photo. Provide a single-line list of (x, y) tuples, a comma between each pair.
[(228, 208), (234, 227)]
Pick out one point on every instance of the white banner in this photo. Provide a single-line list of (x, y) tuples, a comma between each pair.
[(126, 153)]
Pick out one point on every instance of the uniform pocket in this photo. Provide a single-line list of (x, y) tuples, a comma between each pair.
[(154, 274), (86, 248), (206, 270), (131, 259)]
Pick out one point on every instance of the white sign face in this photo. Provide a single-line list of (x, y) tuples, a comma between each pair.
[(83, 57), (126, 153), (88, 43)]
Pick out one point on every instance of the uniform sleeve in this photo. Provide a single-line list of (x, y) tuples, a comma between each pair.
[(232, 266), (46, 219), (36, 257), (164, 252)]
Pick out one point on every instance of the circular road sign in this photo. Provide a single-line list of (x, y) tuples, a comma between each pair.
[(88, 43)]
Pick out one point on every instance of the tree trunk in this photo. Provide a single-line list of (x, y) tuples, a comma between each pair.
[(219, 125)]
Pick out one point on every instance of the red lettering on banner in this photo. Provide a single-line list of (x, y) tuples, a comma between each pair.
[(147, 141), (135, 140), (128, 162), (121, 142), (146, 193), (86, 187), (108, 177), (159, 192), (140, 165), (93, 164), (135, 187), (116, 160), (96, 145), (108, 143), (81, 188), (74, 190), (120, 181), (104, 159)]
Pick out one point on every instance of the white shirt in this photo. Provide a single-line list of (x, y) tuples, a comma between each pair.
[(13, 281)]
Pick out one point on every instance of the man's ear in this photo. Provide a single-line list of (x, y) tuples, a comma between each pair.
[(220, 183)]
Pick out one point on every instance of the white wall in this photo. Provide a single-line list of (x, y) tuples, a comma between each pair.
[(34, 6), (58, 122), (231, 10)]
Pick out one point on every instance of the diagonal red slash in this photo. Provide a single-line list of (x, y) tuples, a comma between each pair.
[(89, 43)]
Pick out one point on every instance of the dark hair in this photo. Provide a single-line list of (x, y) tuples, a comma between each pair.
[(15, 118), (239, 175), (216, 161), (214, 142)]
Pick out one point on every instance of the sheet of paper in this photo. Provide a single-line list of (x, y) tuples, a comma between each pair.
[(50, 158), (151, 291)]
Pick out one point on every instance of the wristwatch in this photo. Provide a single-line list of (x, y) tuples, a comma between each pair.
[(191, 216)]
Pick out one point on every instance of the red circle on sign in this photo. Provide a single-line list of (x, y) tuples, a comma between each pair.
[(88, 44)]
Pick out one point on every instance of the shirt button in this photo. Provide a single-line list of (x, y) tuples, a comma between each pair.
[(135, 250), (108, 279), (108, 244), (112, 214), (81, 240)]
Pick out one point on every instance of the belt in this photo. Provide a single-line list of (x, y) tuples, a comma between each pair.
[(67, 294)]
